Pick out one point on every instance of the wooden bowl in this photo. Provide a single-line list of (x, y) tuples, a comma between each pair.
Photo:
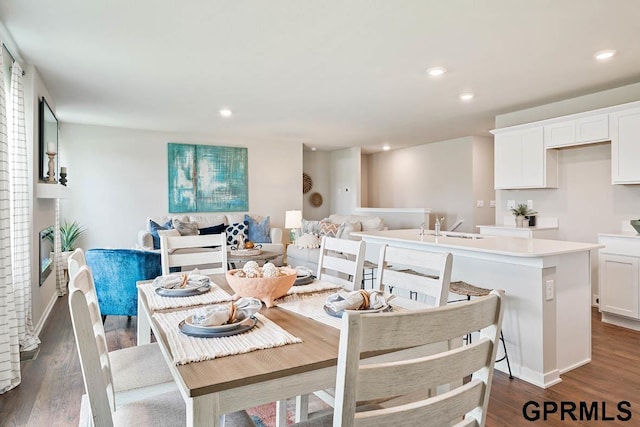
[(266, 289)]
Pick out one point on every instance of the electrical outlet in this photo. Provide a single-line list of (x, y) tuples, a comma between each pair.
[(480, 204), (511, 204), (549, 290), (529, 204), (492, 203), (596, 300)]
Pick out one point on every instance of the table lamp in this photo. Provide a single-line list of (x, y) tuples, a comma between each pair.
[(293, 221)]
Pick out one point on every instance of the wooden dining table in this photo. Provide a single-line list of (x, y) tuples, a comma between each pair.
[(231, 383), (228, 384)]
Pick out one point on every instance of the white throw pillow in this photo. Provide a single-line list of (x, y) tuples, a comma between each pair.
[(308, 241)]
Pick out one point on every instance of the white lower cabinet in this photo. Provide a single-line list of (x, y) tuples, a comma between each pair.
[(619, 263)]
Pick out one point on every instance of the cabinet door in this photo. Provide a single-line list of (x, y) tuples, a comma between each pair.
[(619, 283), (560, 134), (625, 146), (508, 160), (594, 128), (533, 155)]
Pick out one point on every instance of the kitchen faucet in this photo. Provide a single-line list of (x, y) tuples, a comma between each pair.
[(438, 224)]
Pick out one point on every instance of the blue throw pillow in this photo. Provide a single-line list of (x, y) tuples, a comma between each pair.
[(215, 229), (234, 230), (259, 232), (153, 229)]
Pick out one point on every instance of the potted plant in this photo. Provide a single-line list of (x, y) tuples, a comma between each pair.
[(69, 233), (520, 211)]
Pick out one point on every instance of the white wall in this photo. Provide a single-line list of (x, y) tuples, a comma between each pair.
[(483, 180), (439, 176), (317, 165), (586, 203), (118, 177)]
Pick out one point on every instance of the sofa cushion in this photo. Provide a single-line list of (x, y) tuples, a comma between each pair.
[(329, 229), (154, 227), (185, 228), (308, 240), (205, 221), (346, 228), (368, 222), (214, 229), (235, 230), (306, 255), (258, 230)]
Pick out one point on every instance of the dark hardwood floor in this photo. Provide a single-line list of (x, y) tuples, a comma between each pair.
[(52, 383)]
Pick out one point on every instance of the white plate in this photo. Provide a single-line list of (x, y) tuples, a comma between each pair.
[(218, 328)]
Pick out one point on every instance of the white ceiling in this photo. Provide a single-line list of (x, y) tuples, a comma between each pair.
[(330, 73)]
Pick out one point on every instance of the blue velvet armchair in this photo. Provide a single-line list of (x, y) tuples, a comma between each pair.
[(115, 273)]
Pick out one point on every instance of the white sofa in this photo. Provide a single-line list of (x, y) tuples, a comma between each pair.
[(145, 238), (298, 256)]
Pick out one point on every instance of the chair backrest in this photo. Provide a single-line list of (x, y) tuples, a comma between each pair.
[(116, 273), (341, 262), (92, 347), (421, 272), (193, 251), (75, 261), (410, 377)]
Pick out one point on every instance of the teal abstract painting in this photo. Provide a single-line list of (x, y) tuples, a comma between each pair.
[(207, 178)]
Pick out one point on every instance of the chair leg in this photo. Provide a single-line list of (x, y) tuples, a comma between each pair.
[(506, 356), (104, 317)]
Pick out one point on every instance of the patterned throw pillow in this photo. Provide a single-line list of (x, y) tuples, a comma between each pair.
[(329, 229), (234, 230), (215, 229), (185, 228), (153, 228), (258, 230)]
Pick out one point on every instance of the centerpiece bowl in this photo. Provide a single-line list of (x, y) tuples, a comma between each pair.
[(266, 289)]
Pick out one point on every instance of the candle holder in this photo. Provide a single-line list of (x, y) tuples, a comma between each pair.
[(51, 175), (63, 178)]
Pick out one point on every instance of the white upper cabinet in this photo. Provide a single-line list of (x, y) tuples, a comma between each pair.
[(577, 131), (625, 146), (521, 160)]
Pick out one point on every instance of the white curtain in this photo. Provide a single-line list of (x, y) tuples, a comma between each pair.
[(20, 204), (9, 344)]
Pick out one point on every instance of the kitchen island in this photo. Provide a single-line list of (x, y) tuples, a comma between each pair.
[(547, 319)]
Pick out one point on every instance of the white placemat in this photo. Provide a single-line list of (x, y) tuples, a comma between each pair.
[(157, 302), (313, 307), (186, 349)]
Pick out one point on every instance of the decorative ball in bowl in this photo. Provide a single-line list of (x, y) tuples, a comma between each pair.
[(264, 288), (635, 223)]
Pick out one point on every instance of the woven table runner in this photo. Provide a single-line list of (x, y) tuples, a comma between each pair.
[(313, 287), (157, 302), (186, 349)]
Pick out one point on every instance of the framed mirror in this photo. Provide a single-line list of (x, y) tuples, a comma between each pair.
[(48, 140)]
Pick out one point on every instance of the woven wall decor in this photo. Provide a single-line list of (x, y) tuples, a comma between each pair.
[(316, 200), (306, 183)]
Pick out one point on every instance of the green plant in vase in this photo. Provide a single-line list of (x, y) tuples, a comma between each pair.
[(520, 211), (69, 233)]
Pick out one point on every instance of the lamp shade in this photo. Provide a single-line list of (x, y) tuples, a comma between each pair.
[(293, 219)]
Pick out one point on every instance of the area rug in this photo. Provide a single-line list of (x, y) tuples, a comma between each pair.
[(265, 415)]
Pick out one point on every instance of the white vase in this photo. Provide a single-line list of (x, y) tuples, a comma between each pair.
[(520, 221)]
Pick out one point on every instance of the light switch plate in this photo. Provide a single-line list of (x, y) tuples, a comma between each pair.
[(549, 290), (480, 204), (511, 204), (529, 204), (492, 203)]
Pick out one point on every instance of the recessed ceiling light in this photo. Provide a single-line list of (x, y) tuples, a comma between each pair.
[(386, 147), (225, 112), (468, 96), (603, 55), (313, 148), (436, 71)]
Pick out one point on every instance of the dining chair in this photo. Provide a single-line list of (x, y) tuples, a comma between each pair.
[(341, 262), (207, 251), (403, 382), (75, 261), (422, 275), (154, 401)]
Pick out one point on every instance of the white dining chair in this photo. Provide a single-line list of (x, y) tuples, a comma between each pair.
[(108, 376), (75, 261), (417, 274), (207, 252), (358, 381), (341, 262)]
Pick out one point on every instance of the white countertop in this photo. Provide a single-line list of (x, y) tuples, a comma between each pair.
[(623, 235), (510, 246), (513, 227)]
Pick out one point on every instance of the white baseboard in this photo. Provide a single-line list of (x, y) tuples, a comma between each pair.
[(45, 315)]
